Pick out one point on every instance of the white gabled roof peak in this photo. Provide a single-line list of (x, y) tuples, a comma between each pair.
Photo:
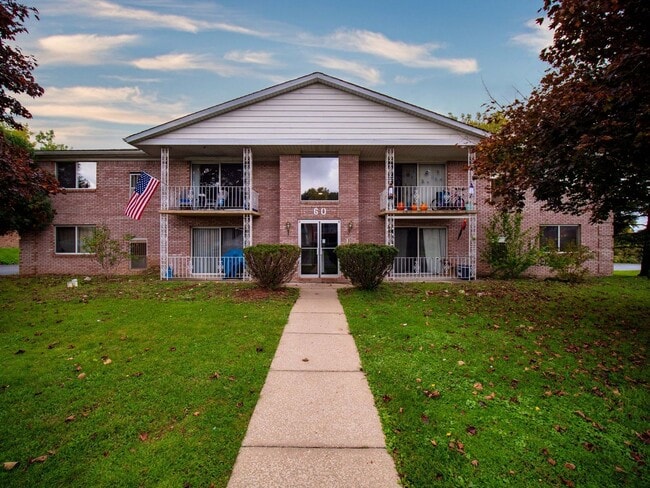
[(295, 84)]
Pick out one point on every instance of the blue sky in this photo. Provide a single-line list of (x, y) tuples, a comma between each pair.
[(111, 68)]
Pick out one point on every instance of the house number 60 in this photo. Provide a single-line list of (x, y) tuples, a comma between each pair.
[(320, 211)]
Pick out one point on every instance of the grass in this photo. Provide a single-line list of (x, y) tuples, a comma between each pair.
[(130, 382), (9, 255), (515, 383)]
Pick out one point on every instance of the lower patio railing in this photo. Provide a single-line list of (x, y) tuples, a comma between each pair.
[(435, 267), (205, 268)]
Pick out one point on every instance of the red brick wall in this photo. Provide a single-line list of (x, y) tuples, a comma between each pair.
[(599, 237), (371, 184), (278, 185), (10, 240), (103, 205), (266, 182)]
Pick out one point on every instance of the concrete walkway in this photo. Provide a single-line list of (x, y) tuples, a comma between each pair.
[(315, 424)]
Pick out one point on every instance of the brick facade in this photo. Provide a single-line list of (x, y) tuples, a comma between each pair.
[(356, 131)]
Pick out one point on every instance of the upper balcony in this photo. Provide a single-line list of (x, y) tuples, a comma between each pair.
[(211, 200), (422, 200)]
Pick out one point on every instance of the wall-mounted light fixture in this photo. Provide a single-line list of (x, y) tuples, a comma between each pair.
[(350, 227), (288, 227)]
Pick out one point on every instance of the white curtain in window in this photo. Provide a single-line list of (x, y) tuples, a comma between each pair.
[(433, 246)]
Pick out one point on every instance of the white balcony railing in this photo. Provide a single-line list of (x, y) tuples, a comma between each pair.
[(205, 268), (436, 267), (434, 197), (211, 198)]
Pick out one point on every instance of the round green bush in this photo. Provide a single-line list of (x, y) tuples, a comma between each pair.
[(271, 265), (366, 265)]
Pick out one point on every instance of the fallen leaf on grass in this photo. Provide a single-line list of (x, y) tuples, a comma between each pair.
[(70, 418), (143, 437), (461, 363), (491, 396), (475, 463), (215, 376), (197, 413), (559, 428), (644, 437), (386, 398), (8, 466), (478, 386), (567, 482), (588, 446), (570, 466), (434, 443), (52, 345), (551, 461), (432, 394), (39, 459), (107, 361), (471, 430), (172, 349), (424, 418), (82, 376), (20, 351), (618, 469)]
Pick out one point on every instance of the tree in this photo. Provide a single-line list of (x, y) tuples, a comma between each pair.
[(580, 141), (509, 249), (108, 252), (320, 193), (46, 142), (16, 68), (24, 187)]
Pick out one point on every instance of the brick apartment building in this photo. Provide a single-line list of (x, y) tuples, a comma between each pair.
[(315, 162)]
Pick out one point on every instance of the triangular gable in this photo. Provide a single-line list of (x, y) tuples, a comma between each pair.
[(316, 109)]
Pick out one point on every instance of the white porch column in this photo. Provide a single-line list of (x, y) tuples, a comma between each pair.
[(247, 219), (472, 198), (164, 218), (390, 178)]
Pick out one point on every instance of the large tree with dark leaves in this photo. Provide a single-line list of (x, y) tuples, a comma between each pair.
[(580, 141), (24, 187)]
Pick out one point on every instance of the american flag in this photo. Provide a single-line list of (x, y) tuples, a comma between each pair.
[(144, 190)]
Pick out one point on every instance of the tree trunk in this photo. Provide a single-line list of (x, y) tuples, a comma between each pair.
[(645, 259)]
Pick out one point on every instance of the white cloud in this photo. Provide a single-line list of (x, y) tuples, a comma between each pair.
[(412, 55), (150, 18), (81, 48), (370, 75), (537, 38), (252, 57), (186, 61), (122, 105)]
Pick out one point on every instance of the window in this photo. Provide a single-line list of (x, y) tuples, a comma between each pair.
[(69, 240), (559, 236), (77, 175), (420, 249), (319, 178), (215, 174), (133, 180), (138, 252)]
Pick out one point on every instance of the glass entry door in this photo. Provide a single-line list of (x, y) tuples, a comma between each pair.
[(318, 239)]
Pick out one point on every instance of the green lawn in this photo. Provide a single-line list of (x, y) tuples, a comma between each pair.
[(132, 382), (9, 255), (517, 383)]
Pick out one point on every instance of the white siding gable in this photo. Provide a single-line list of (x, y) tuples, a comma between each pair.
[(315, 114)]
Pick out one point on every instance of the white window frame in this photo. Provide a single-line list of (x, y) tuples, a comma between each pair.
[(77, 239), (92, 183), (133, 180), (559, 234)]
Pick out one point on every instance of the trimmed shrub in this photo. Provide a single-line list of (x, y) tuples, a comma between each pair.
[(365, 265), (568, 263), (271, 265)]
